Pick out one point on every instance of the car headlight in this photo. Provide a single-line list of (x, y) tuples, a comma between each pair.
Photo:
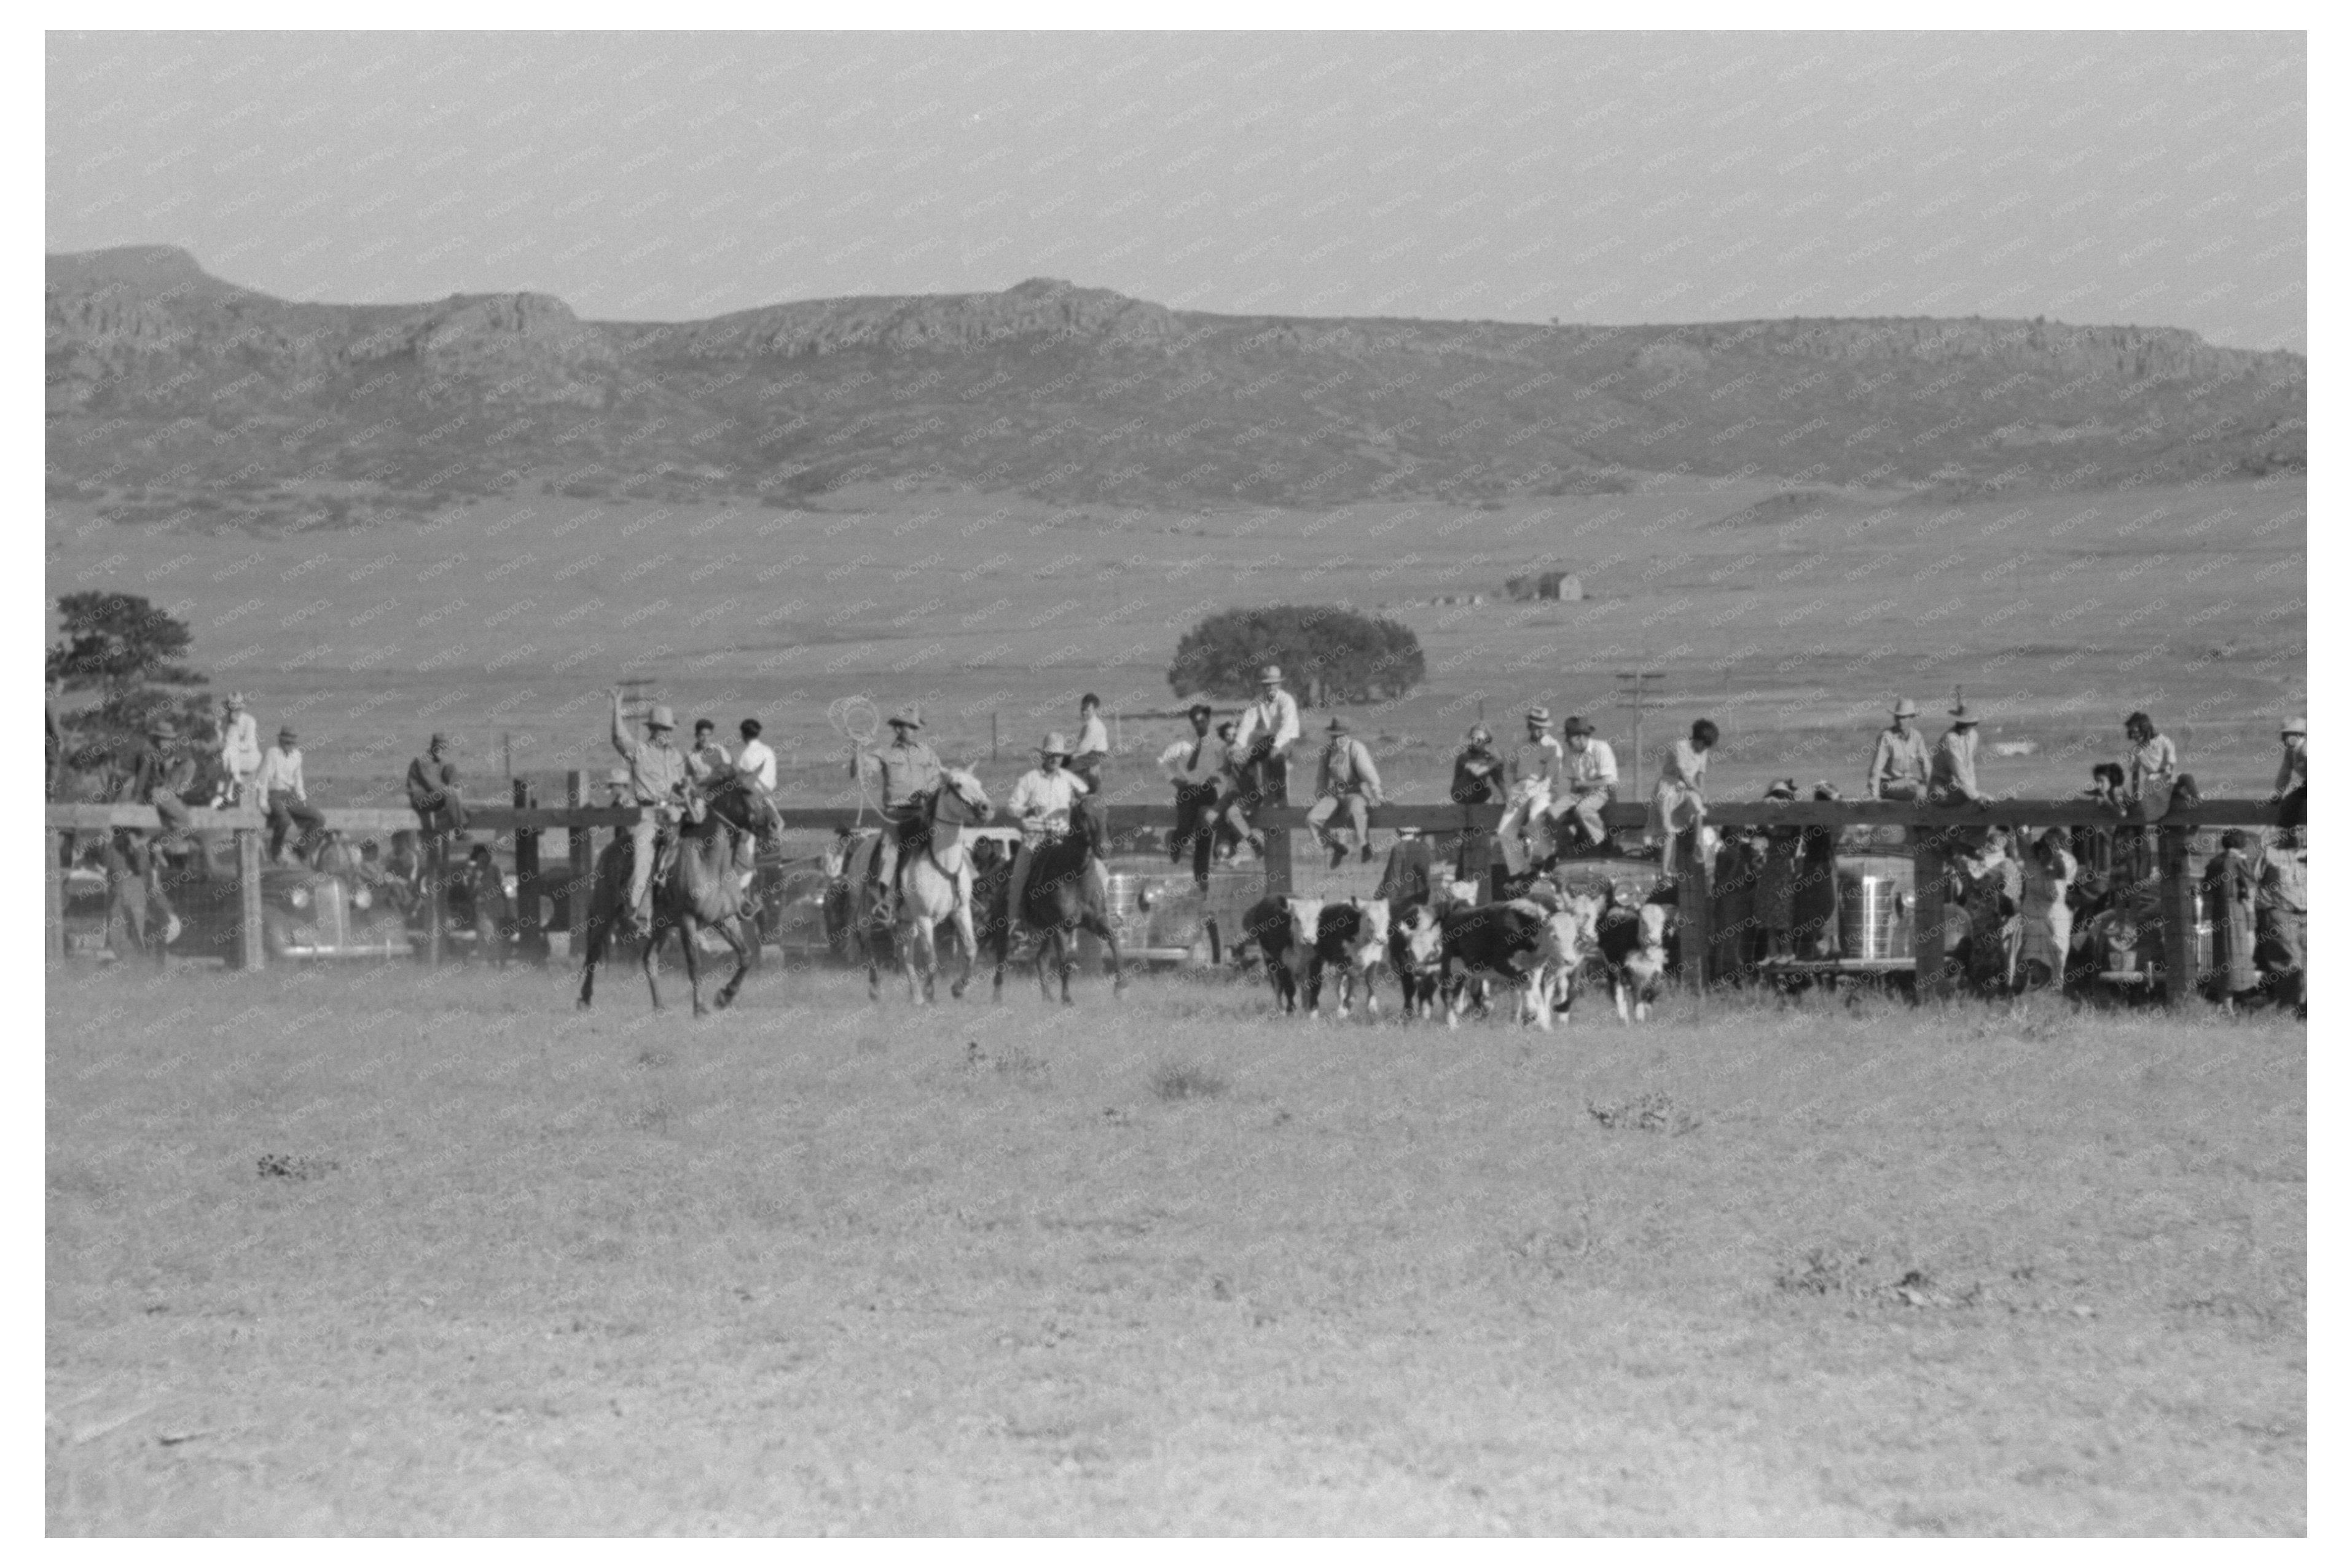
[(1146, 897), (299, 897), (362, 897)]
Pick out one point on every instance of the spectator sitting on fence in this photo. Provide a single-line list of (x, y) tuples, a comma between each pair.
[(1900, 766), (1269, 728), (154, 776), (1345, 778), (1952, 776), (280, 787), (1588, 785), (1094, 743), (2153, 764), (756, 763), (1530, 775), (240, 752), (1679, 800), (1197, 768)]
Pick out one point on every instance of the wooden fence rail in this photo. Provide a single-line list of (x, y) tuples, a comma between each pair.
[(1925, 828)]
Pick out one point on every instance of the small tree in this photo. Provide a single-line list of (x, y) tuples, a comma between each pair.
[(126, 651), (1327, 649)]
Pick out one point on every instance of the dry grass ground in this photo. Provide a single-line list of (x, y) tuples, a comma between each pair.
[(381, 1252)]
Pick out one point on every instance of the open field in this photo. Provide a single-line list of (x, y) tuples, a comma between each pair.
[(1790, 620), (376, 1251)]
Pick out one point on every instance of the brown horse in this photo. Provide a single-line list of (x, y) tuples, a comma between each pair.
[(1059, 900), (698, 892)]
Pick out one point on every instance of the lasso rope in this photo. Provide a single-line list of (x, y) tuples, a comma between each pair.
[(857, 719)]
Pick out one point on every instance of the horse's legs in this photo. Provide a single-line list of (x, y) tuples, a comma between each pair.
[(725, 930), (967, 943), (654, 935), (1094, 922), (598, 926), (917, 958), (691, 948), (1048, 941)]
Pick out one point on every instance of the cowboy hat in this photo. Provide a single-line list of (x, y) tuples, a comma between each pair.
[(659, 717), (438, 740), (1960, 714), (1826, 791), (2293, 727), (910, 716), (1573, 725), (1905, 708), (162, 729), (1055, 744), (1781, 789), (617, 776), (1480, 735), (235, 699), (1338, 726), (286, 732), (1270, 675), (1540, 714)]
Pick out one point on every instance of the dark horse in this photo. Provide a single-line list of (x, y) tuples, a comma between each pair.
[(1058, 902), (698, 891)]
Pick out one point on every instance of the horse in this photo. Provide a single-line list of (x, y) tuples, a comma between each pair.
[(1059, 900), (698, 891), (935, 885)]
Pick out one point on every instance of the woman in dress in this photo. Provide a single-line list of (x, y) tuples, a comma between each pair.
[(2230, 904), (1991, 887), (2048, 922)]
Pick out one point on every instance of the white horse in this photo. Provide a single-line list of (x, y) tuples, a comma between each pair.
[(934, 885)]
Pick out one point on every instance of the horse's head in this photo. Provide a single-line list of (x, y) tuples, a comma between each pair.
[(961, 801)]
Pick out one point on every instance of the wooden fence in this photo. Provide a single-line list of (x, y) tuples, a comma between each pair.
[(1924, 829)]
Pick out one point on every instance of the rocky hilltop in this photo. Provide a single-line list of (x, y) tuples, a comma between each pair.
[(174, 392)]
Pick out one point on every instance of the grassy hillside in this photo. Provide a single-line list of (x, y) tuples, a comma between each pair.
[(172, 394), (369, 1253), (1791, 617)]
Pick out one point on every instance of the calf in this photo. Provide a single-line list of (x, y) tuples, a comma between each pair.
[(1352, 936), (1517, 942), (1571, 939), (1633, 950), (1417, 955), (1306, 937), (1268, 923)]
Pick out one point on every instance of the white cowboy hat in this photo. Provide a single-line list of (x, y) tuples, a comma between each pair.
[(1057, 745), (910, 716), (1270, 675), (1905, 708), (2294, 727), (659, 717)]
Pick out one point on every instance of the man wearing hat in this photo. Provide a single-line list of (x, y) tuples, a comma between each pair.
[(2288, 788), (1952, 771), (1269, 728), (1588, 782), (1344, 775), (154, 777), (1197, 768), (909, 774), (240, 750), (656, 784), (1530, 775), (280, 788), (1041, 802), (616, 787), (1899, 767)]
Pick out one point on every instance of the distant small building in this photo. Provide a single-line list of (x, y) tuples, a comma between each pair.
[(1545, 585)]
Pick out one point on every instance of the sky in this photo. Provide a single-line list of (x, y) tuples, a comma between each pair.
[(2149, 178)]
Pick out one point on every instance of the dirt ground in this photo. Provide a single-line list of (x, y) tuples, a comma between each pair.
[(376, 1250)]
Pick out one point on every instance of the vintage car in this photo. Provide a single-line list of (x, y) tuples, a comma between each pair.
[(1163, 917), (305, 913)]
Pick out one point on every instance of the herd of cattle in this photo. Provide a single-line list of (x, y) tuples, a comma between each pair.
[(1544, 948)]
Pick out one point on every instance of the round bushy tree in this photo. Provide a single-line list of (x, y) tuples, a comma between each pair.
[(1346, 655)]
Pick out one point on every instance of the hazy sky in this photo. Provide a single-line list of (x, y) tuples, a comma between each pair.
[(2150, 177)]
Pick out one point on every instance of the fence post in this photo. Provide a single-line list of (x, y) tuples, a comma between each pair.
[(251, 948), (2179, 914), (582, 850), (436, 902), (53, 881), (1695, 900), (531, 935), (1927, 912)]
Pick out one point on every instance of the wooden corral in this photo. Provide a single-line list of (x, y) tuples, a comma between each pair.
[(1926, 829)]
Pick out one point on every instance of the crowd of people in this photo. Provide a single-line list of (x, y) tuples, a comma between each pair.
[(2040, 906)]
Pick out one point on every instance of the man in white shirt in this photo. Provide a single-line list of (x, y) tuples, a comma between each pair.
[(1197, 768), (1094, 743), (1588, 782), (240, 751), (706, 761), (755, 764), (280, 787), (1042, 803), (1269, 728)]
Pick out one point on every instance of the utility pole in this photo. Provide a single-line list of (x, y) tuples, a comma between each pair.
[(1644, 691)]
